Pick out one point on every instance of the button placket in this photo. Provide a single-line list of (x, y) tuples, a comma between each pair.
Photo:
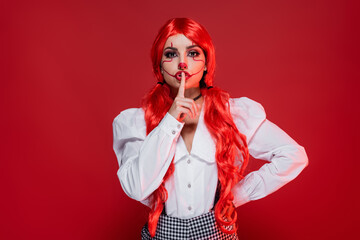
[(189, 185)]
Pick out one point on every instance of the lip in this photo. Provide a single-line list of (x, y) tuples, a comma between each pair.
[(178, 75)]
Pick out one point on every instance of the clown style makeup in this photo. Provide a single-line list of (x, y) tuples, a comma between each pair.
[(180, 54)]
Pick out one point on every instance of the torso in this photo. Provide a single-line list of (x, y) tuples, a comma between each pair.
[(187, 133)]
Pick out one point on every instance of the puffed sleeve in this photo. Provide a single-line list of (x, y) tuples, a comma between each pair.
[(268, 142), (143, 160)]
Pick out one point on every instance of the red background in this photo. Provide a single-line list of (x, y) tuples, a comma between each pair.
[(69, 67)]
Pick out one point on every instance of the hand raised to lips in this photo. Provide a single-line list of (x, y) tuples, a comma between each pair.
[(183, 106), (181, 90)]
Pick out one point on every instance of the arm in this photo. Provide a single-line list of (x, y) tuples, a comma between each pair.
[(286, 160), (143, 160)]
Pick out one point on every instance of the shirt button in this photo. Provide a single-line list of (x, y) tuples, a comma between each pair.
[(188, 161), (173, 132), (189, 208), (189, 185)]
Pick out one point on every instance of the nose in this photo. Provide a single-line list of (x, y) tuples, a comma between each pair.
[(182, 66)]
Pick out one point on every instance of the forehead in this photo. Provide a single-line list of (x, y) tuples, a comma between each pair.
[(178, 40)]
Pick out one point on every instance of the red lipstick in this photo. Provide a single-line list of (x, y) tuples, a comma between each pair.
[(178, 75)]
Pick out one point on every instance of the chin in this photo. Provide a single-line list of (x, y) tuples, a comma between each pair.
[(193, 84)]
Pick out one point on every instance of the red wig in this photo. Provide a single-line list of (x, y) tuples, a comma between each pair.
[(229, 141)]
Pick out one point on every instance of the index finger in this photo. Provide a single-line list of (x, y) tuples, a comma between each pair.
[(182, 86)]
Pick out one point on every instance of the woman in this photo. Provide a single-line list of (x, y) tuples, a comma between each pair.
[(184, 152)]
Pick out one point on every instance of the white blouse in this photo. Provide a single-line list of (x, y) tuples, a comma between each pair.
[(143, 160)]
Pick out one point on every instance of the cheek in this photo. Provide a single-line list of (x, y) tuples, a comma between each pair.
[(199, 59), (168, 63), (197, 63)]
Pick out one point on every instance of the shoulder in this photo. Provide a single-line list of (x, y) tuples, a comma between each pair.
[(129, 120), (130, 114), (246, 107), (248, 115)]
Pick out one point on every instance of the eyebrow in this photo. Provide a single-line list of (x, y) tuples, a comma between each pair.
[(188, 47)]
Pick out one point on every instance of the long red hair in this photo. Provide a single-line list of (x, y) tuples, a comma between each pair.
[(229, 141)]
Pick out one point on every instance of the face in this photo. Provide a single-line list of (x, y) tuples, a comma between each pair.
[(180, 54)]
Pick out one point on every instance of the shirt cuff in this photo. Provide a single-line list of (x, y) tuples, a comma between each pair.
[(170, 125)]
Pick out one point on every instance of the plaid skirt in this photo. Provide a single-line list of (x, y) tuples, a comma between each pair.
[(201, 227)]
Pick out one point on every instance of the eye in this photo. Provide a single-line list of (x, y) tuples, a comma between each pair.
[(170, 54), (194, 53)]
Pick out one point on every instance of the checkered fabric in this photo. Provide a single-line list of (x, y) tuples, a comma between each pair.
[(201, 227)]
